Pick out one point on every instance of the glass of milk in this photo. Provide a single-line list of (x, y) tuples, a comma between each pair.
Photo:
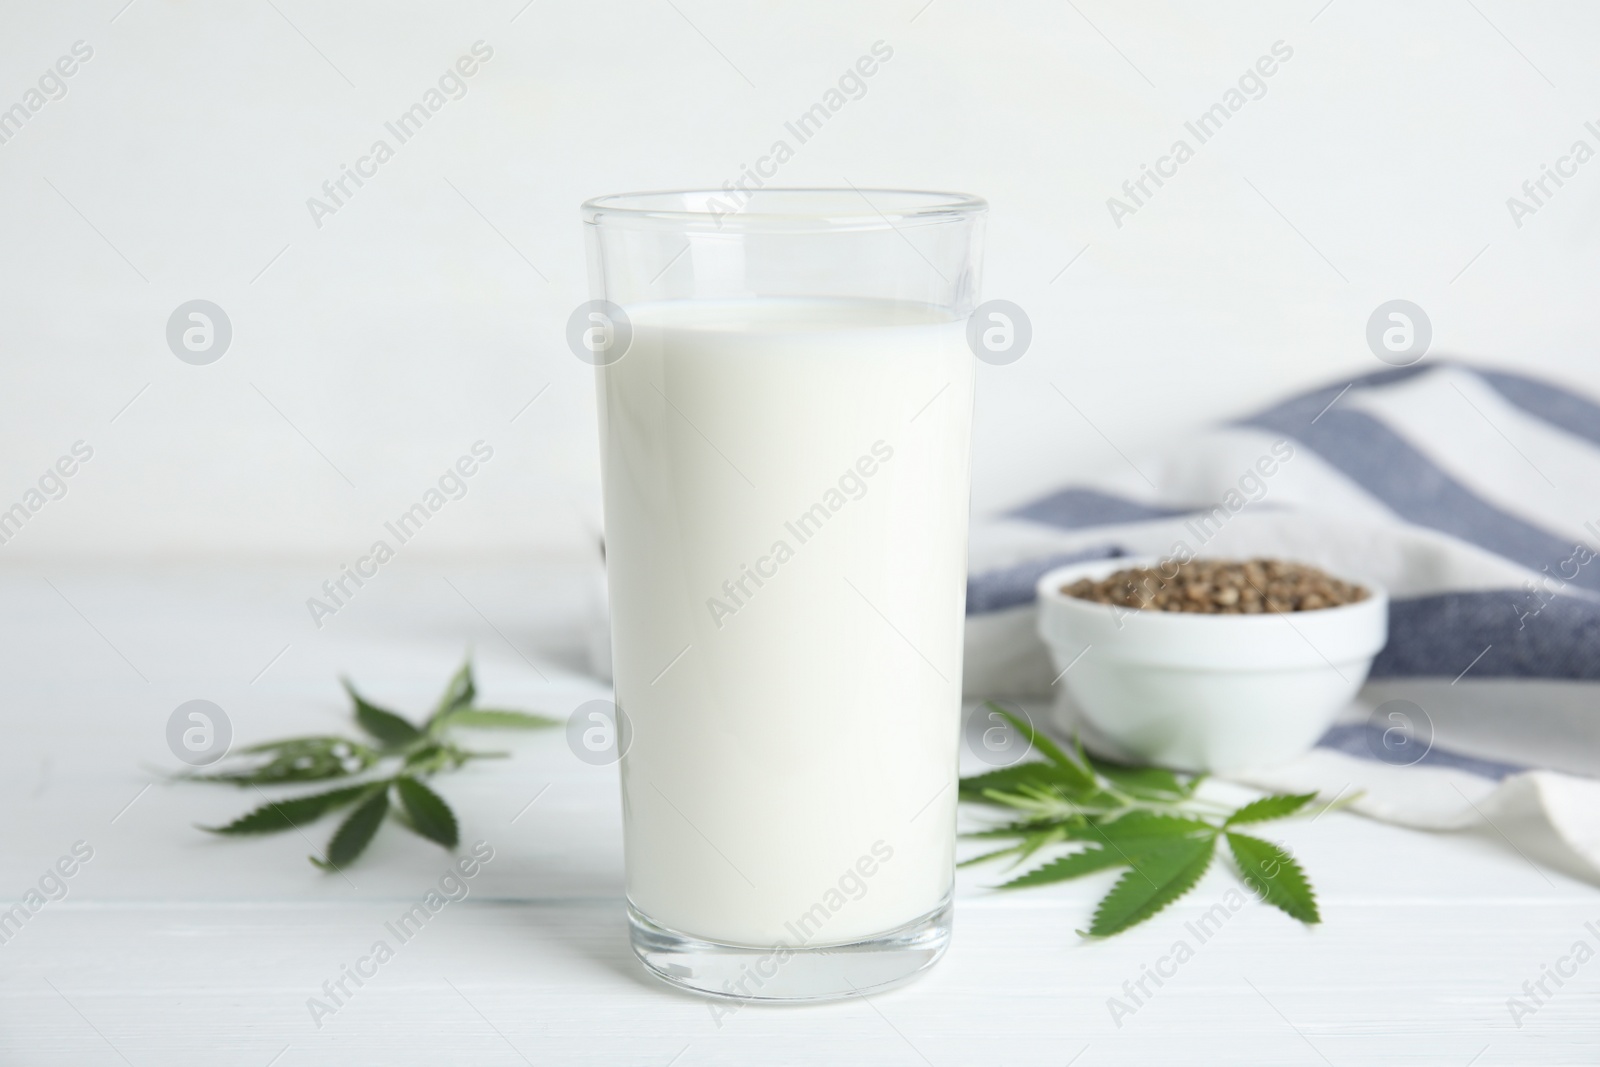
[(785, 403)]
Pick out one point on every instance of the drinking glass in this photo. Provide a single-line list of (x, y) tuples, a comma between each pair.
[(785, 403)]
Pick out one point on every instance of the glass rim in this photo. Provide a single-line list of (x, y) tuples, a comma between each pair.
[(783, 208)]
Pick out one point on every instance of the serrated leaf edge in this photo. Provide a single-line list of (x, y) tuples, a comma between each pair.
[(404, 782), (1181, 882), (1290, 863), (380, 789)]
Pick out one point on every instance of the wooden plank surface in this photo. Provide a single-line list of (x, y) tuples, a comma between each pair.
[(173, 948)]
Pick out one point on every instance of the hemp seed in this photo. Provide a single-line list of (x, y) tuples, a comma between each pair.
[(1221, 587)]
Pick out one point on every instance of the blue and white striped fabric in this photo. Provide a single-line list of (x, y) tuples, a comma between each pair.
[(1472, 495)]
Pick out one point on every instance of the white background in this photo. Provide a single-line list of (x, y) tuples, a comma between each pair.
[(429, 310)]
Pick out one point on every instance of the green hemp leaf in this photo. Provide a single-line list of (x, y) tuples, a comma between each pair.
[(387, 772), (1145, 819)]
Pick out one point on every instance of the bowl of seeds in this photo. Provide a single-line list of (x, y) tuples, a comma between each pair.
[(1209, 664)]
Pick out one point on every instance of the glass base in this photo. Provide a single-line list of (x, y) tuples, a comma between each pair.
[(785, 973)]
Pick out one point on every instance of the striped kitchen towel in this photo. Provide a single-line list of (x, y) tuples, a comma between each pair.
[(1472, 494)]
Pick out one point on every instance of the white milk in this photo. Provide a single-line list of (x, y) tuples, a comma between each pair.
[(786, 493)]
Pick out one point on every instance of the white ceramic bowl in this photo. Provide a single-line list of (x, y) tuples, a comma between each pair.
[(1207, 692)]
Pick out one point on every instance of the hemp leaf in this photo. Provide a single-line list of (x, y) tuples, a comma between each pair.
[(412, 754), (1069, 866), (1159, 876), (357, 830), (287, 814), (1273, 807), (1274, 875), (1146, 819), (493, 718), (430, 816), (298, 759), (381, 723), (460, 693)]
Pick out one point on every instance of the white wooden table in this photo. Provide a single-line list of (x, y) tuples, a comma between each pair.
[(172, 947)]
